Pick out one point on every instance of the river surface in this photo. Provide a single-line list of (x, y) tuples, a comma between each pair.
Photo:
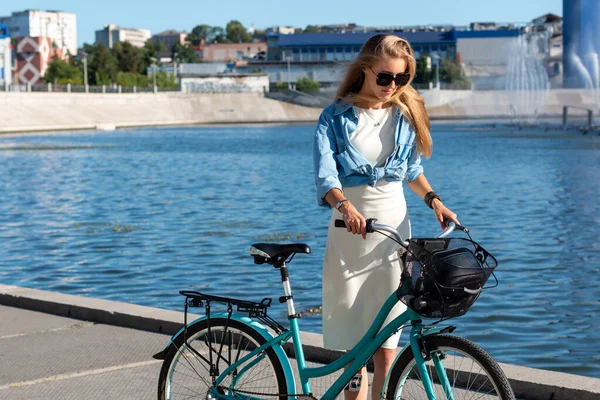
[(136, 215)]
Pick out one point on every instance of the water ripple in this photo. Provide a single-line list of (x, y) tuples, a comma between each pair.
[(137, 215)]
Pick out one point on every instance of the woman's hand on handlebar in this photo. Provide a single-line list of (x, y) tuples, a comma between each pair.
[(355, 222), (442, 213)]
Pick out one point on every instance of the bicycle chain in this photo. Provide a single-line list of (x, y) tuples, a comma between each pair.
[(298, 396)]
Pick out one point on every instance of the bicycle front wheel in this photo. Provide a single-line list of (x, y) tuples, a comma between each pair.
[(472, 373), (186, 372)]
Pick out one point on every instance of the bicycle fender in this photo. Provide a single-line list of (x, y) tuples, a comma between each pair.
[(427, 332), (264, 332)]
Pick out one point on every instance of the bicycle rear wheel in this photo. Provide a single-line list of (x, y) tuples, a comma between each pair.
[(472, 373), (186, 371)]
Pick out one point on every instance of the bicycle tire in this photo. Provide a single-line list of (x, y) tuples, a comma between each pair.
[(472, 372), (185, 375)]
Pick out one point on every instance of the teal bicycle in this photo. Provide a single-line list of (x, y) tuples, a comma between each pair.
[(238, 353)]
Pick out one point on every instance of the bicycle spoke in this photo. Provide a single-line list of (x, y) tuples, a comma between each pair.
[(191, 367), (189, 375), (471, 373)]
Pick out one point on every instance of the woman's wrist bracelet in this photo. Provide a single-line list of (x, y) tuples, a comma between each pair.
[(339, 204), (429, 197)]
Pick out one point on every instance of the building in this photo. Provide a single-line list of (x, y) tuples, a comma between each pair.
[(224, 83), (169, 38), (33, 56), (5, 57), (340, 47), (485, 54), (231, 52), (112, 34), (281, 30), (59, 26)]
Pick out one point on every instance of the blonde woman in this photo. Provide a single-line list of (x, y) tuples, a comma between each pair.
[(366, 144)]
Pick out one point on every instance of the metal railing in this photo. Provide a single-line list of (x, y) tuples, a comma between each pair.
[(68, 88), (590, 115)]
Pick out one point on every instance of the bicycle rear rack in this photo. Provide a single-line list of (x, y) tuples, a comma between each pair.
[(254, 309)]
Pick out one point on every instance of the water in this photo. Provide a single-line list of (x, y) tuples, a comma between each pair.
[(136, 215)]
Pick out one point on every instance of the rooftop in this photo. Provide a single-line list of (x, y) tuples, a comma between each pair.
[(357, 39), (170, 32)]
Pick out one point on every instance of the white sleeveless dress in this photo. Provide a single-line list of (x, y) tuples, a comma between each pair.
[(359, 275)]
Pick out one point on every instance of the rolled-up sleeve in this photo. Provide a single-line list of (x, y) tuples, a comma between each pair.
[(414, 168), (325, 167)]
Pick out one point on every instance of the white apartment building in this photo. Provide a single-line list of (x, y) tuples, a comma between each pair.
[(112, 34), (59, 26), (5, 57)]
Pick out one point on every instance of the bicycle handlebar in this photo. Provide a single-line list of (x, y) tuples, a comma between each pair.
[(372, 226)]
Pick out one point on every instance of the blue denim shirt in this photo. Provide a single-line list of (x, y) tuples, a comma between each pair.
[(337, 163)]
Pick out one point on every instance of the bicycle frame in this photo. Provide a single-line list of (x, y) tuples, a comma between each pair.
[(356, 357)]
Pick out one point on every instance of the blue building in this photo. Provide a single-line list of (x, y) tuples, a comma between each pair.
[(340, 47), (323, 56)]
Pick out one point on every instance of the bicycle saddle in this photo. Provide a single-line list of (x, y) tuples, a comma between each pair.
[(270, 252)]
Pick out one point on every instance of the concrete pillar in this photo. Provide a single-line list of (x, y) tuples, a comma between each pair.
[(68, 88), (29, 86), (134, 89), (155, 89), (87, 88), (49, 87), (119, 88), (103, 88)]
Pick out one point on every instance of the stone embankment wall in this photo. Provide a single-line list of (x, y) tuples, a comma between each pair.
[(30, 112), (27, 112), (505, 104)]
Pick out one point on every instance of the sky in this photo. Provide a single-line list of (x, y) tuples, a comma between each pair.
[(185, 14)]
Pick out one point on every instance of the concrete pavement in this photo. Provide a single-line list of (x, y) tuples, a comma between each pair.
[(57, 346)]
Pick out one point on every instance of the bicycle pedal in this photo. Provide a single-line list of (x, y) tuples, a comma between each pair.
[(355, 383)]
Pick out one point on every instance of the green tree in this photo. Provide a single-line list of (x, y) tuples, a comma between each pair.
[(422, 75), (260, 35), (166, 81), (201, 33), (128, 57), (61, 72), (102, 65), (236, 32), (311, 29), (451, 72), (132, 79), (280, 86), (217, 35), (149, 51), (184, 53), (307, 85)]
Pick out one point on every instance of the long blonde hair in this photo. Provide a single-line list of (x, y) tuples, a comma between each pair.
[(406, 98)]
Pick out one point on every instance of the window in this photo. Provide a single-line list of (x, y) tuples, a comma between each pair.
[(348, 54), (330, 54), (322, 56), (305, 56)]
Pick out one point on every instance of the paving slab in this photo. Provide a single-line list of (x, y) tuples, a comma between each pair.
[(84, 348)]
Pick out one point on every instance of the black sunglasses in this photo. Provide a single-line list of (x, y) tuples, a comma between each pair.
[(385, 78)]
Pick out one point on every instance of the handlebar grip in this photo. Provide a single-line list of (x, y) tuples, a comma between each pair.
[(340, 223), (456, 226)]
